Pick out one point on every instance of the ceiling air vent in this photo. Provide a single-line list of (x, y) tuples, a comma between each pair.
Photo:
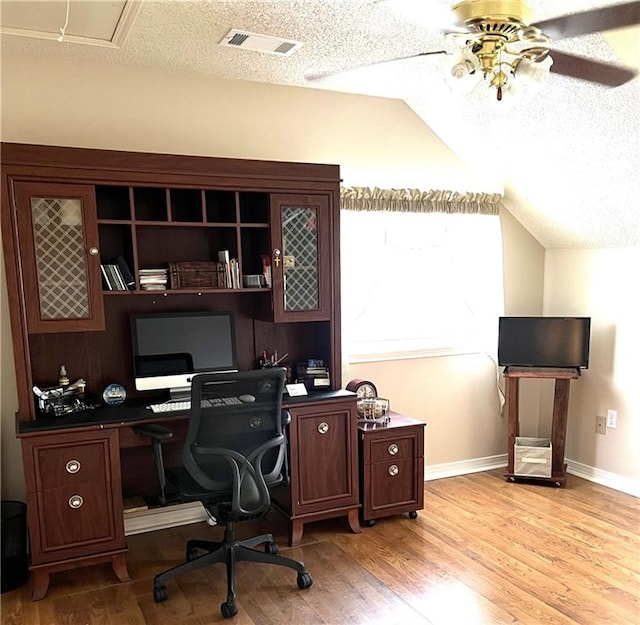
[(260, 43)]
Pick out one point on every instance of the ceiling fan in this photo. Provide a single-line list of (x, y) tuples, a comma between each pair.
[(495, 42)]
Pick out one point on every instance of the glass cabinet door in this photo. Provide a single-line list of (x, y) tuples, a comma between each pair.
[(58, 237), (300, 257)]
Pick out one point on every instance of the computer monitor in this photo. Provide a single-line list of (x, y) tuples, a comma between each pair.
[(169, 348)]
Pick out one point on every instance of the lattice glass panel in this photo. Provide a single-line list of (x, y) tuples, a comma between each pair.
[(300, 251), (60, 258)]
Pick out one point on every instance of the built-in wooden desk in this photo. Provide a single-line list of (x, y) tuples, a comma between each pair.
[(69, 217), (78, 466)]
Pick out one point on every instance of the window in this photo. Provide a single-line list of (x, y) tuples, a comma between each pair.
[(418, 284)]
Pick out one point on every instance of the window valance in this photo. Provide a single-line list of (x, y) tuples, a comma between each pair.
[(417, 201)]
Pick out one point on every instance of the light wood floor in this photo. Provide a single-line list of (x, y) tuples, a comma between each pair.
[(484, 551)]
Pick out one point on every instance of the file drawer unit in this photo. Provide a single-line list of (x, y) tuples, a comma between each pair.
[(74, 503), (391, 468), (323, 454)]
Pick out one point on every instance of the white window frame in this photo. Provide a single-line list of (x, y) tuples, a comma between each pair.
[(462, 254)]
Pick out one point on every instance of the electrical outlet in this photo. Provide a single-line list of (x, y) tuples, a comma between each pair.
[(612, 418), (601, 425)]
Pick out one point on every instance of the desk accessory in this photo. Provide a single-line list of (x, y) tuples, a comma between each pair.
[(313, 374), (114, 394), (58, 401), (369, 406), (255, 281), (362, 388), (63, 377)]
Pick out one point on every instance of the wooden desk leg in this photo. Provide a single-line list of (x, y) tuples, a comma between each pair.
[(39, 584), (296, 529), (559, 426), (354, 521), (513, 420), (119, 565)]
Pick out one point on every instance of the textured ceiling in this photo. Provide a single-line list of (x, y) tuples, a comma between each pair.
[(566, 159)]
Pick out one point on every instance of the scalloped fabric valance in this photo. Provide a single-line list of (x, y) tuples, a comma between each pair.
[(417, 201)]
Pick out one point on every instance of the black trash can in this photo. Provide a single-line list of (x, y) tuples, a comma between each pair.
[(15, 562)]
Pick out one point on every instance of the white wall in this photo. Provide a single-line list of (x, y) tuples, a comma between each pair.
[(377, 142), (602, 284)]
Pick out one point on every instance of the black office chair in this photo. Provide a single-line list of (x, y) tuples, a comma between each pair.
[(234, 450)]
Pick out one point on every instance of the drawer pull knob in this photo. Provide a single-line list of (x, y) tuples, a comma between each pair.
[(75, 501), (393, 449), (323, 428), (393, 470), (73, 466)]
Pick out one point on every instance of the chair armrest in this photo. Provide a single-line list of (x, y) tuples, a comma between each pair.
[(285, 417), (158, 434), (154, 431)]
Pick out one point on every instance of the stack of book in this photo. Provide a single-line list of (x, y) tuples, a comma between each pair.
[(153, 279), (231, 270), (117, 276)]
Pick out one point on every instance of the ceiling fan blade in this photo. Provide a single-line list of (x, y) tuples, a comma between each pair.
[(319, 74), (590, 69), (595, 21)]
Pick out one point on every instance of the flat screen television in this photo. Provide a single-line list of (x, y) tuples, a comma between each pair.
[(169, 348), (544, 342)]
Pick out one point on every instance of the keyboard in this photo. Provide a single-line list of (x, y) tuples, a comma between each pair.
[(183, 405)]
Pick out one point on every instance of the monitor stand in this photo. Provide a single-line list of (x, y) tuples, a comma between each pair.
[(180, 394)]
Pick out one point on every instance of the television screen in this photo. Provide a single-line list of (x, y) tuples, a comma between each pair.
[(168, 348), (544, 342)]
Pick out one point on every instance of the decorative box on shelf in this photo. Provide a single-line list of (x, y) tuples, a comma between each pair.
[(193, 275)]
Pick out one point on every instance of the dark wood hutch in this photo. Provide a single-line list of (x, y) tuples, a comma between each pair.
[(66, 212)]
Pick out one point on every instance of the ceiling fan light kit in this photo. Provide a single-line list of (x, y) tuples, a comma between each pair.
[(500, 38)]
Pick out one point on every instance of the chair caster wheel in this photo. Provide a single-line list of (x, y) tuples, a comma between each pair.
[(192, 554), (229, 609), (304, 580), (370, 523), (413, 514), (271, 548), (160, 594)]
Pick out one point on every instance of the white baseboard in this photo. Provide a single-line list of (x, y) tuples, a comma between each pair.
[(605, 478), (476, 465), (463, 467), (163, 518)]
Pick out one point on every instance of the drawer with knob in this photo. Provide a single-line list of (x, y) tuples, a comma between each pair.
[(74, 500), (401, 445), (74, 516), (59, 465)]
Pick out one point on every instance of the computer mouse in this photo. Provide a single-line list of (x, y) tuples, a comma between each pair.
[(246, 399)]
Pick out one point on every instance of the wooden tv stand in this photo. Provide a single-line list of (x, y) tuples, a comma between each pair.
[(559, 423)]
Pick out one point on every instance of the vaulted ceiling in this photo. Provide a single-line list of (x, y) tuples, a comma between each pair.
[(567, 158)]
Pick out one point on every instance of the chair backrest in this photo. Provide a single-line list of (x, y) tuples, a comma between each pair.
[(235, 447)]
